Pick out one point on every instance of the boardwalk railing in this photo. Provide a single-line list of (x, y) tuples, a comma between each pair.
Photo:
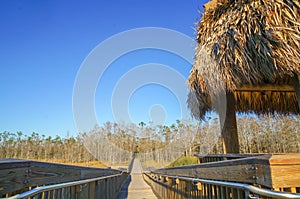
[(184, 187), (263, 176), (32, 179), (221, 157), (102, 187)]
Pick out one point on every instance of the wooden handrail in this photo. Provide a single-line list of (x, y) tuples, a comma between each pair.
[(19, 175), (276, 171)]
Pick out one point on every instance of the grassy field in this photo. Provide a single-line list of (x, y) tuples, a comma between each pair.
[(94, 164)]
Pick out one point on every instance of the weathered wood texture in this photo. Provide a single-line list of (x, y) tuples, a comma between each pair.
[(178, 188), (285, 171), (272, 171), (228, 125), (205, 158), (109, 187), (21, 175)]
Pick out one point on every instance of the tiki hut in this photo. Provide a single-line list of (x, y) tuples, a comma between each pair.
[(247, 60)]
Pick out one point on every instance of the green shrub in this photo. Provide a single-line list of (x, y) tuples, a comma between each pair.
[(184, 160)]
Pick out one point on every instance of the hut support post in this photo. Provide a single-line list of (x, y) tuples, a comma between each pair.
[(297, 88), (228, 124)]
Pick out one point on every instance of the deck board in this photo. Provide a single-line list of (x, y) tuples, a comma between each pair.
[(135, 186)]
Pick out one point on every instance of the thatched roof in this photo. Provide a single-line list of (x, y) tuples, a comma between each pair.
[(251, 48)]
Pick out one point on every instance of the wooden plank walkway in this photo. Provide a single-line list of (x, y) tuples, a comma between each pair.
[(135, 187)]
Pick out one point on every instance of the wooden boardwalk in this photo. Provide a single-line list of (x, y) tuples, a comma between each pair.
[(135, 187)]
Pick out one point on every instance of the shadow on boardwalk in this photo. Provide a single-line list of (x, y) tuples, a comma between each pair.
[(135, 187)]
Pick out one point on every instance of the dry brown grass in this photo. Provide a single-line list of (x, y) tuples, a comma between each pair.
[(93, 164)]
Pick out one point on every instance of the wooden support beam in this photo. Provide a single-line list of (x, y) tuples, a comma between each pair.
[(267, 87), (297, 88), (228, 125)]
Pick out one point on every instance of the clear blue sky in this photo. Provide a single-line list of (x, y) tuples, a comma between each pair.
[(43, 44)]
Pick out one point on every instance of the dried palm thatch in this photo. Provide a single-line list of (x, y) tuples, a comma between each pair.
[(250, 43)]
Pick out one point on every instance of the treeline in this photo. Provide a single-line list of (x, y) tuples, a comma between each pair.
[(114, 143), (269, 134), (41, 147), (158, 145), (262, 134)]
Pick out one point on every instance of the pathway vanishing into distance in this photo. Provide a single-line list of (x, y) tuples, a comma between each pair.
[(135, 187)]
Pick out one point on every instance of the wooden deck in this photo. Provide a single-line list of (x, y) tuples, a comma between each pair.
[(232, 176), (135, 186)]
